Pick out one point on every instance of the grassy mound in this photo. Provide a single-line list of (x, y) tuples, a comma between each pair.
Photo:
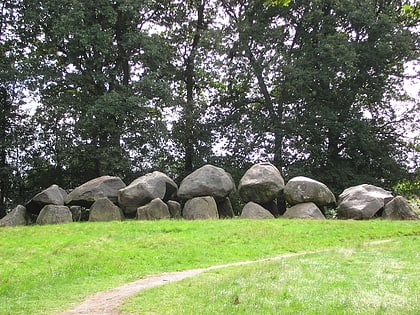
[(45, 269)]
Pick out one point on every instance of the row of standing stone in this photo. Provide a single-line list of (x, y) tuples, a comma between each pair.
[(205, 194)]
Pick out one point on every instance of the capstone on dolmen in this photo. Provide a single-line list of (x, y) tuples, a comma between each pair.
[(86, 194), (53, 195), (303, 189), (145, 189), (262, 184), (213, 185), (362, 202)]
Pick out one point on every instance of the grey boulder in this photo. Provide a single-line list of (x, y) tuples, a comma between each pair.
[(85, 195), (104, 210), (303, 189), (18, 216), (154, 210), (253, 210), (261, 183), (53, 214), (399, 209), (308, 210), (208, 180), (146, 188), (200, 208), (362, 202), (53, 195)]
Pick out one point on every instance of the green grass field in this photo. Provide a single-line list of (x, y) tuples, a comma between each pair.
[(379, 279), (46, 269)]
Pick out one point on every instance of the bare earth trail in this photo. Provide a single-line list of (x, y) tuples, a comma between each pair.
[(109, 302)]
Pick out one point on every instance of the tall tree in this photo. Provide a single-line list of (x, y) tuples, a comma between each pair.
[(311, 85), (103, 77), (346, 64), (254, 57), (192, 32), (13, 125)]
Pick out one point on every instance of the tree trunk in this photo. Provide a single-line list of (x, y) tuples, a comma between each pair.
[(276, 116), (4, 176), (189, 110)]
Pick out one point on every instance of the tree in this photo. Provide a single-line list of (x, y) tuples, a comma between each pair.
[(311, 87), (103, 76), (346, 64), (192, 33), (254, 57), (14, 131)]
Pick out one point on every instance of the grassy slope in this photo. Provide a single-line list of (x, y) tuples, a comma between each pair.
[(380, 279), (46, 268)]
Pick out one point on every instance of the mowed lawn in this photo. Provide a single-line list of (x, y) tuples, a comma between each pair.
[(46, 269), (382, 278)]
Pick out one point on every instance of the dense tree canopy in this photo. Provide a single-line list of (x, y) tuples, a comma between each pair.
[(125, 86)]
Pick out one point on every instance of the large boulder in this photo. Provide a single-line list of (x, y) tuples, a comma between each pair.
[(53, 214), (86, 194), (253, 210), (146, 188), (303, 189), (200, 208), (53, 195), (208, 180), (308, 210), (104, 210), (262, 183), (399, 209), (17, 216), (362, 202), (154, 210)]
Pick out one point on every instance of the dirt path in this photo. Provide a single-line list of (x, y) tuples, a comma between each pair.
[(109, 302)]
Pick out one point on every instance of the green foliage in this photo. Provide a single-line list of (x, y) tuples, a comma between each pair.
[(15, 130), (408, 188), (284, 3), (128, 86), (102, 84), (411, 14)]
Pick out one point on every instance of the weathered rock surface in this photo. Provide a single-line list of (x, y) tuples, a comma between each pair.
[(261, 183), (362, 202), (104, 210), (53, 195), (200, 208), (208, 180), (53, 214), (303, 189), (399, 209), (154, 210), (308, 210), (225, 209), (253, 210), (175, 209), (17, 216), (85, 194), (146, 188)]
